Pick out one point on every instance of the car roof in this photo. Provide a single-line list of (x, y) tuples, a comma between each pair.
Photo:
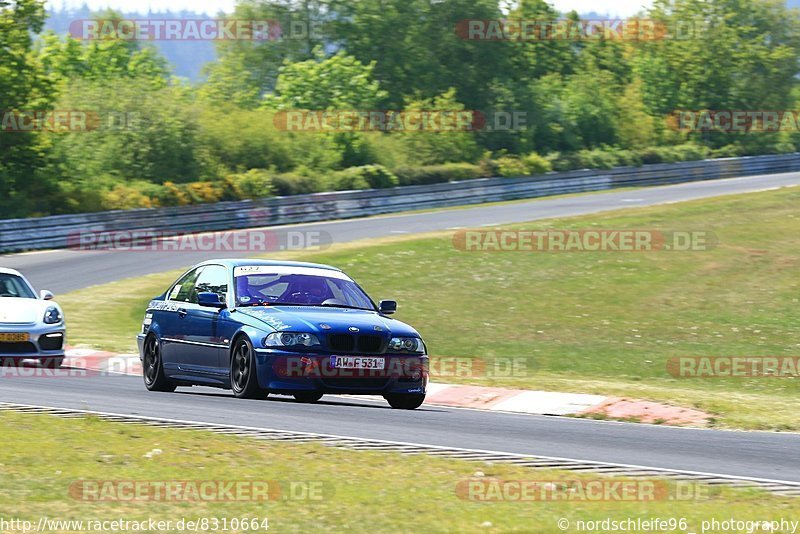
[(267, 263), (9, 271)]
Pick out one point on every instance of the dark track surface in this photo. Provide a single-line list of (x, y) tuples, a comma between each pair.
[(753, 454)]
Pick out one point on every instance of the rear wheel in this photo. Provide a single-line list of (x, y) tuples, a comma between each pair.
[(153, 367), (244, 380), (307, 396), (405, 402)]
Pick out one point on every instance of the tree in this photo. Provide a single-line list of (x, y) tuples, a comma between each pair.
[(428, 148), (144, 133), (248, 69), (23, 88), (417, 51), (337, 82), (741, 55), (100, 60)]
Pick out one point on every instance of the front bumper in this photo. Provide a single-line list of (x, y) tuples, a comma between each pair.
[(45, 341), (140, 343), (291, 372)]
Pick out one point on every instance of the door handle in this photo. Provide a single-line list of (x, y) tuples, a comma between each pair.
[(182, 313)]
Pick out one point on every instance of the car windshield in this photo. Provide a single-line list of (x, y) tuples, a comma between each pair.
[(258, 286), (14, 286)]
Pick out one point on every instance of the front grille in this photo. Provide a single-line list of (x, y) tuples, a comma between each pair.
[(55, 342), (370, 343), (376, 383), (342, 342), (356, 344), (20, 347)]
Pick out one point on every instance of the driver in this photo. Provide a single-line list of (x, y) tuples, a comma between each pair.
[(310, 290)]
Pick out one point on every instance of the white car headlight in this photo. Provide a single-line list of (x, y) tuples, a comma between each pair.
[(291, 339), (407, 344), (52, 315)]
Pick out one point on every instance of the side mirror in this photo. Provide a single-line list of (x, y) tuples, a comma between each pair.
[(211, 300), (387, 307), (45, 295)]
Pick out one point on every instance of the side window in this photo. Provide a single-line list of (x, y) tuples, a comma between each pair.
[(213, 279), (183, 290)]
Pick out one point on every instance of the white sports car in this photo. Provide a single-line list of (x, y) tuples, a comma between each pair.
[(31, 327)]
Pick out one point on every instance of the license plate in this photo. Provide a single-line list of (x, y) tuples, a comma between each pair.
[(13, 337), (357, 362)]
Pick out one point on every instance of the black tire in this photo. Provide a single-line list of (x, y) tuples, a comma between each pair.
[(53, 363), (308, 397), (244, 381), (405, 402), (153, 367)]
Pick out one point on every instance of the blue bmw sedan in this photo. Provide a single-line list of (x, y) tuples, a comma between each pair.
[(260, 327)]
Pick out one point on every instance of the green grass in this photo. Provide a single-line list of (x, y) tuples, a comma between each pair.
[(587, 322), (43, 456)]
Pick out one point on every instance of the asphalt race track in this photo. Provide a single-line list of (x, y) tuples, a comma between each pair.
[(746, 454), (750, 454), (67, 270)]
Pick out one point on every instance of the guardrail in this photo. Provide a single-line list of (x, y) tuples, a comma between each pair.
[(60, 230)]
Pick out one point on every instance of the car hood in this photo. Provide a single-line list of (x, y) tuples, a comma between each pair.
[(17, 310), (310, 319)]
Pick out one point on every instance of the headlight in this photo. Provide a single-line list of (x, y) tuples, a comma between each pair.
[(289, 339), (407, 344), (52, 315)]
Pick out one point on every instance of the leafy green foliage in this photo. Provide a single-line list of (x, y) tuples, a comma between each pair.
[(337, 82), (366, 177), (587, 104), (23, 86), (445, 146), (536, 164), (436, 174)]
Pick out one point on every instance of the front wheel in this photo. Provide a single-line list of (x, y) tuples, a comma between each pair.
[(405, 402), (153, 367), (244, 381)]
